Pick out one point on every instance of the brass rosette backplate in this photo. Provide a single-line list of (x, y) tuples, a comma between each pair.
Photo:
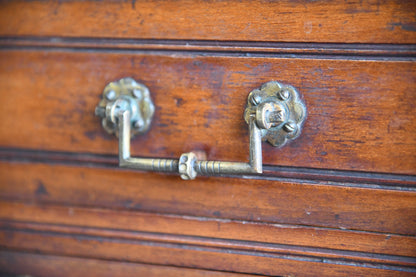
[(279, 112)]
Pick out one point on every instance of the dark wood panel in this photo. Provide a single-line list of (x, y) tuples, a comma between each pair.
[(240, 260), (216, 232), (254, 200), (38, 265), (361, 112), (305, 21)]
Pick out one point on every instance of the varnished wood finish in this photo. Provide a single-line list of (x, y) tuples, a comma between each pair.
[(214, 232), (292, 252), (79, 243), (323, 176), (338, 201), (203, 46), (294, 21), (360, 112), (254, 200), (30, 264)]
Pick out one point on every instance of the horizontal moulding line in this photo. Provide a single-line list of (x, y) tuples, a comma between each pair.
[(290, 49), (360, 179), (202, 244), (33, 261), (59, 205)]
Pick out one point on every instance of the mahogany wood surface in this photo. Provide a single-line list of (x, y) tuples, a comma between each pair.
[(360, 112), (270, 172), (214, 232), (338, 201), (293, 21), (76, 243), (40, 265), (341, 207), (204, 46)]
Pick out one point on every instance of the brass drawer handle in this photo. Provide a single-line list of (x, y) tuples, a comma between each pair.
[(274, 113)]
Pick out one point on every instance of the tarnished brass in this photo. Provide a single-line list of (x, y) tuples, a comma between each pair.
[(279, 112), (126, 94), (274, 112)]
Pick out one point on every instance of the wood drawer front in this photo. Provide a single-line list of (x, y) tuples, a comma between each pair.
[(233, 225), (42, 265), (283, 21), (340, 200), (360, 112), (184, 256), (297, 203)]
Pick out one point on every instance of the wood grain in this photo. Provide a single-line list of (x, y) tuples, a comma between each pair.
[(254, 200), (339, 201), (360, 112), (215, 232), (230, 47), (31, 264), (131, 250), (299, 21), (293, 252), (286, 173)]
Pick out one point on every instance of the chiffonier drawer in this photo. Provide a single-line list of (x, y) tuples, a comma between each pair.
[(360, 112), (360, 118), (339, 200)]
